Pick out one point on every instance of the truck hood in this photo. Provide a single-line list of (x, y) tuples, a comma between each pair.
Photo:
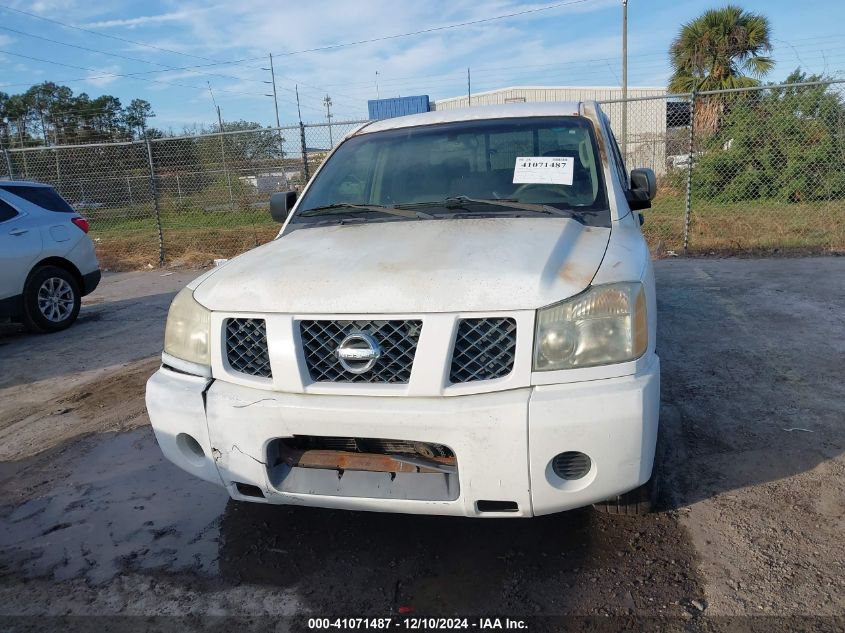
[(461, 265)]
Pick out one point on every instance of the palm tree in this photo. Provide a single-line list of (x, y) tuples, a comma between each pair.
[(722, 48)]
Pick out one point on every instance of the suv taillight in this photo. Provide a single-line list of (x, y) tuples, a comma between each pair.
[(82, 223)]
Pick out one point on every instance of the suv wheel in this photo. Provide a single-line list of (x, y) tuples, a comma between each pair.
[(51, 300)]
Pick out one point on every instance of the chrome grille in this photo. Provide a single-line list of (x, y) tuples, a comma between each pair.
[(397, 339), (484, 349), (246, 347)]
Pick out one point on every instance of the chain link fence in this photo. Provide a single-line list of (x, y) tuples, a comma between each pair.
[(747, 171), (742, 171), (179, 200)]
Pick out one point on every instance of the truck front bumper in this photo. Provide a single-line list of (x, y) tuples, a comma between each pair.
[(504, 442)]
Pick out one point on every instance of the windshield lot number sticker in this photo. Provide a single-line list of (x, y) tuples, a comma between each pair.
[(543, 170)]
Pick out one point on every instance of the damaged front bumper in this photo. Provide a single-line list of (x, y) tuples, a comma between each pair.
[(503, 444)]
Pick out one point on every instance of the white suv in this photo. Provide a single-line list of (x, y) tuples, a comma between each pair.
[(457, 317), (47, 260)]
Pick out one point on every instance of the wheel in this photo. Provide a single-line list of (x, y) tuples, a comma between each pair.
[(643, 499), (51, 300), (637, 502)]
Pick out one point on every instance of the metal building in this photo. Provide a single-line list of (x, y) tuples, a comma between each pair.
[(398, 106), (646, 146)]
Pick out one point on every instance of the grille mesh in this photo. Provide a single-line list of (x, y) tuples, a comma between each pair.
[(484, 349), (246, 347), (397, 339)]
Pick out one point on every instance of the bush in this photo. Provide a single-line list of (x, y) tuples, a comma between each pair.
[(782, 144)]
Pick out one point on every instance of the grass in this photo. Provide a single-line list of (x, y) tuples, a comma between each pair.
[(192, 237), (127, 238), (754, 227)]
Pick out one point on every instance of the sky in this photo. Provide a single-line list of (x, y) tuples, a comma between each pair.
[(168, 52)]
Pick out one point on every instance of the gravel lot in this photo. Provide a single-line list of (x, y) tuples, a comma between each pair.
[(93, 521)]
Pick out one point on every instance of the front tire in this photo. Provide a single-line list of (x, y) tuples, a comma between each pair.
[(51, 300), (643, 499), (638, 502)]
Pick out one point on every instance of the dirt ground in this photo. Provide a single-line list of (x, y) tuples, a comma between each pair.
[(93, 521)]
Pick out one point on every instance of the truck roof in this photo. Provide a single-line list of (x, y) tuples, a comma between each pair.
[(476, 113)]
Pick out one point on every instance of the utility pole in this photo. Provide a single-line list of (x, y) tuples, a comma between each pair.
[(222, 147), (377, 94), (302, 144), (328, 102), (273, 81), (278, 122), (624, 78), (469, 90)]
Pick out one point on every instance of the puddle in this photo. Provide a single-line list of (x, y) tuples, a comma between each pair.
[(105, 504), (126, 528)]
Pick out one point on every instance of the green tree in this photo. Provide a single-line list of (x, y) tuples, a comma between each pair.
[(5, 124), (136, 115), (721, 49)]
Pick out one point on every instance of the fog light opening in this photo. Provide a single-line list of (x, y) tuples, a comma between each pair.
[(496, 506), (571, 465), (248, 490), (190, 448)]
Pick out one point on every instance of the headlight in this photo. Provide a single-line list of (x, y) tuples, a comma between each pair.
[(187, 332), (606, 324)]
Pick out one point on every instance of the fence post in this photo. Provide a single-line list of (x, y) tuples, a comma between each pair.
[(9, 164), (58, 171), (304, 151), (154, 191), (226, 170), (688, 200)]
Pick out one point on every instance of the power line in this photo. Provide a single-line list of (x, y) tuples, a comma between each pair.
[(116, 75), (112, 37), (296, 52), (167, 67), (307, 50), (434, 29)]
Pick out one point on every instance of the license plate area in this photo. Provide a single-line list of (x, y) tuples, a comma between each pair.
[(363, 467)]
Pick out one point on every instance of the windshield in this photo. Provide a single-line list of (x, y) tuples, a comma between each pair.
[(457, 169)]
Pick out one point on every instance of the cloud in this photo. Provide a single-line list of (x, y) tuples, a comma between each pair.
[(103, 76), (175, 16), (502, 52), (6, 40)]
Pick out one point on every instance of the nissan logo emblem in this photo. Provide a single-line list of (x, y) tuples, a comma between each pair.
[(358, 352)]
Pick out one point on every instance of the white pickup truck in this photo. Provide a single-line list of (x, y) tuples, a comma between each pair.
[(457, 318)]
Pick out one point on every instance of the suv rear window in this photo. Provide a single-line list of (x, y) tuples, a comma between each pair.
[(7, 212), (45, 197)]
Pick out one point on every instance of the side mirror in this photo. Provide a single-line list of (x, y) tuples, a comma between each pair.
[(643, 189), (280, 205)]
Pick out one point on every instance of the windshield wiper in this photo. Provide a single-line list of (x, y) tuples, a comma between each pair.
[(341, 208), (458, 202)]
